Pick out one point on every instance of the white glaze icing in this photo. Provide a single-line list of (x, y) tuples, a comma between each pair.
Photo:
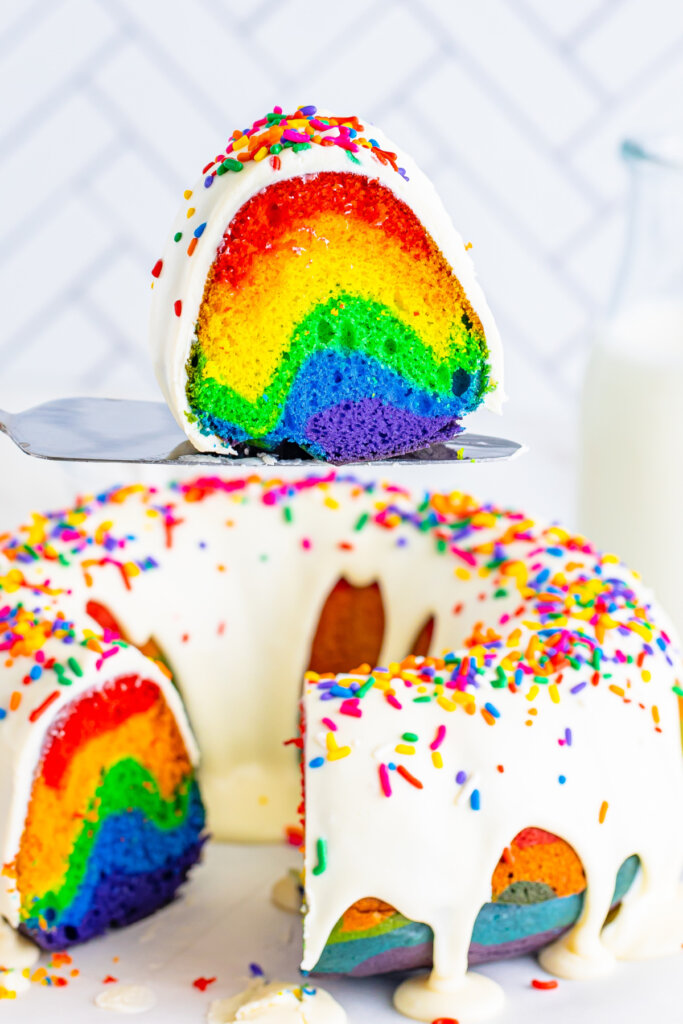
[(250, 629), (183, 278), (287, 892), (16, 951), (473, 997), (261, 610), (278, 1003), (430, 854), (649, 924), (126, 998)]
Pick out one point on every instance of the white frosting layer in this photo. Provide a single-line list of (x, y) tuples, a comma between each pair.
[(183, 278), (278, 1003)]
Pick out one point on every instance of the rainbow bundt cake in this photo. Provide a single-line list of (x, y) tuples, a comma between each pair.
[(480, 804), (313, 292)]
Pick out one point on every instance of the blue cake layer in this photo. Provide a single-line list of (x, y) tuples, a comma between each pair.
[(133, 869), (327, 411)]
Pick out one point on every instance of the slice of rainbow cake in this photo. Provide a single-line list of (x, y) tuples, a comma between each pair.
[(100, 813), (313, 291)]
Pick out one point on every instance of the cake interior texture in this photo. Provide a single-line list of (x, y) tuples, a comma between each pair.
[(330, 319), (115, 820)]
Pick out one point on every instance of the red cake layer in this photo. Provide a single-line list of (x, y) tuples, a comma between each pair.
[(284, 206), (92, 715)]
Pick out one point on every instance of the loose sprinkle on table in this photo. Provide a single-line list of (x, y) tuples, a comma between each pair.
[(202, 983)]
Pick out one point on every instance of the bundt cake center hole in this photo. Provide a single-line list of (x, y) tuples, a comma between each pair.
[(350, 628)]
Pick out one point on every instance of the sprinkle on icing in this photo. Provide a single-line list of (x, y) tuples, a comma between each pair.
[(276, 134), (548, 648), (321, 866)]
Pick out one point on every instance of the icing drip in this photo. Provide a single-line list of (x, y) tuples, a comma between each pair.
[(278, 1003), (287, 892), (649, 924), (471, 997)]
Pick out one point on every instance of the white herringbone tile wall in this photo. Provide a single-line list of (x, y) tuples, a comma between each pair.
[(515, 107)]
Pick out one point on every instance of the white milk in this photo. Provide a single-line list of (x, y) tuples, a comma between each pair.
[(631, 453)]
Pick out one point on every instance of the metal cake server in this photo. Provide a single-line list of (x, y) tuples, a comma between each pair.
[(124, 430)]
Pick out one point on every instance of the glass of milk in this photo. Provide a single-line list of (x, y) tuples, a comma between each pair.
[(631, 451)]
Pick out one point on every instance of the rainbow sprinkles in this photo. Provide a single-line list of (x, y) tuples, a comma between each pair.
[(314, 291)]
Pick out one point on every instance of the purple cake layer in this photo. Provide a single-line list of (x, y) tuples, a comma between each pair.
[(371, 430), (408, 958)]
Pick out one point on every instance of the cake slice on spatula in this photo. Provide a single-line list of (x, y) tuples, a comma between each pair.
[(313, 291), (313, 301)]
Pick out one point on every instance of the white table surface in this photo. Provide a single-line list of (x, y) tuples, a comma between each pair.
[(225, 921)]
